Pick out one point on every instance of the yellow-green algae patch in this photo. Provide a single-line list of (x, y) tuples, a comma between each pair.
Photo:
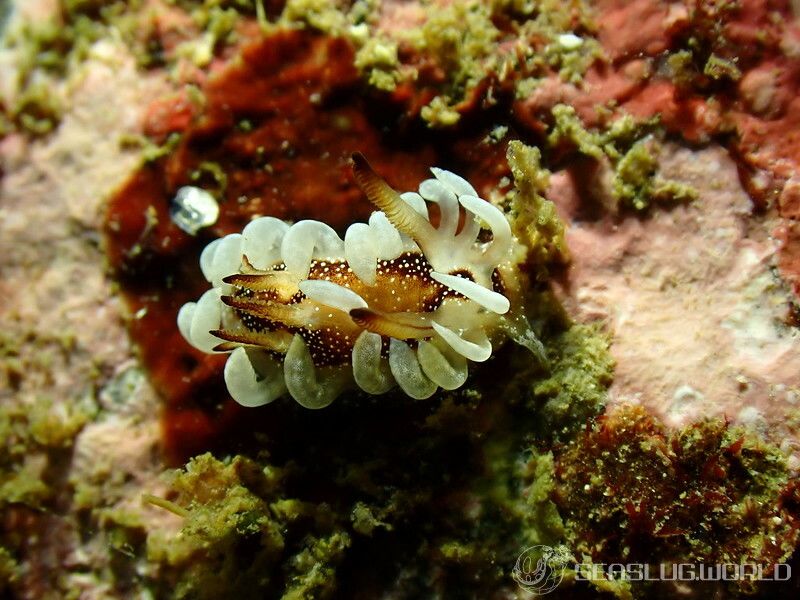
[(9, 569), (455, 494), (576, 387), (630, 148), (46, 51), (466, 42), (236, 537), (463, 40), (32, 440), (377, 59), (324, 15), (720, 68), (637, 184), (29, 435), (534, 219)]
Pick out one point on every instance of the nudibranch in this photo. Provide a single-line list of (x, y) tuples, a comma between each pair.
[(398, 302)]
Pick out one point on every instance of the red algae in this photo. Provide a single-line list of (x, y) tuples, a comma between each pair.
[(757, 39), (739, 75), (271, 136), (648, 37), (630, 490), (710, 71), (172, 114)]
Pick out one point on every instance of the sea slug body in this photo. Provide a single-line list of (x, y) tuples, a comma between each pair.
[(399, 301)]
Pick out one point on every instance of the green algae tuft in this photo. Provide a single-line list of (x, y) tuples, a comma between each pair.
[(534, 218), (32, 440), (28, 435), (239, 536), (440, 112), (542, 523), (576, 387), (637, 184), (719, 68), (45, 51), (461, 51), (377, 58), (629, 149), (9, 569)]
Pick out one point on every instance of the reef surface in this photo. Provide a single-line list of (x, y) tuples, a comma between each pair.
[(645, 152)]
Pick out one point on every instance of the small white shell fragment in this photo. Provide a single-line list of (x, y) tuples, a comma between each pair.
[(262, 241), (407, 371), (370, 370), (570, 41), (488, 299), (331, 294), (253, 378), (475, 351), (193, 208)]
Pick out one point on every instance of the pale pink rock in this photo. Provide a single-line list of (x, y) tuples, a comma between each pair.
[(652, 20), (789, 200), (396, 17), (759, 89), (58, 303), (689, 295)]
